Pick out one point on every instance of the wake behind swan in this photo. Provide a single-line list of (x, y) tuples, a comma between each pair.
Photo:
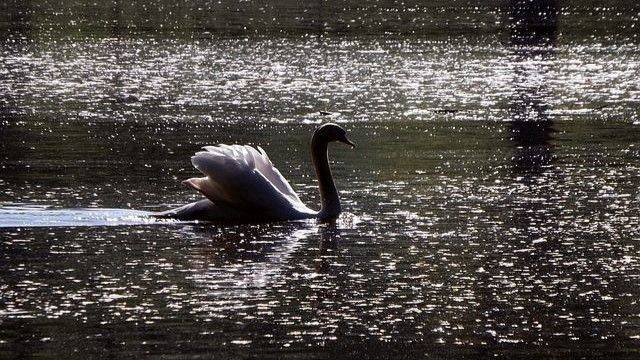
[(24, 215)]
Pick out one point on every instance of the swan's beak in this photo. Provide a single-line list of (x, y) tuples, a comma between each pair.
[(348, 142)]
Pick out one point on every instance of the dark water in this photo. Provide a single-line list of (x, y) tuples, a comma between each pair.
[(492, 206)]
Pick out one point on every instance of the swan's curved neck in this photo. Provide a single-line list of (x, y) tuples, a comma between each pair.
[(328, 192)]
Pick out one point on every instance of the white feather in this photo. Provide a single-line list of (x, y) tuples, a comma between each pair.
[(244, 178)]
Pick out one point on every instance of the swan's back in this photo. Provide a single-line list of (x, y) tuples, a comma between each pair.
[(243, 178)]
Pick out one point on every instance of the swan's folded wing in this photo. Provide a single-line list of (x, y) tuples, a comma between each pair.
[(244, 178), (264, 165)]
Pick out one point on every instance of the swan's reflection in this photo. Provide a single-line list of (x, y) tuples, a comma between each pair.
[(241, 264), (231, 278), (330, 234), (245, 259)]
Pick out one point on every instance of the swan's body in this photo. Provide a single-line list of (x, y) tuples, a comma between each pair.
[(242, 185)]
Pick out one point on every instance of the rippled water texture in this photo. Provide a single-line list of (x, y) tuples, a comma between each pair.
[(492, 206)]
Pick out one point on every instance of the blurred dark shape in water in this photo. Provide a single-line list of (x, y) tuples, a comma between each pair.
[(533, 22), (533, 34), (16, 18), (443, 18), (126, 98)]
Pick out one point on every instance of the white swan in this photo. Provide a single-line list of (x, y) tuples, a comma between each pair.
[(242, 185)]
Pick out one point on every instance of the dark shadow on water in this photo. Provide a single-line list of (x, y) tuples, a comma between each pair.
[(16, 18), (116, 27), (533, 22), (532, 41), (533, 33), (533, 150)]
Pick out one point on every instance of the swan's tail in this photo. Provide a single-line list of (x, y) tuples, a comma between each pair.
[(187, 212), (201, 210)]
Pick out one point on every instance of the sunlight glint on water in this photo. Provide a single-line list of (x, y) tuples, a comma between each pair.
[(492, 205)]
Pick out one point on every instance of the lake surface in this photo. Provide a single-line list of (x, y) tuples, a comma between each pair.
[(492, 206)]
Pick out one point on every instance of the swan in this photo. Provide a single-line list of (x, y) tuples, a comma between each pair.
[(242, 185)]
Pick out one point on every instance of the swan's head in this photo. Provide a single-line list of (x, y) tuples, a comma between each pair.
[(332, 132)]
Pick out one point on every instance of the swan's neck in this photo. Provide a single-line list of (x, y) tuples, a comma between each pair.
[(328, 192)]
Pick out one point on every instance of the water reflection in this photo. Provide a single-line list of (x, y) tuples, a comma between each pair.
[(533, 22), (534, 27), (456, 256), (254, 261), (17, 20), (452, 255), (245, 262), (330, 235)]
